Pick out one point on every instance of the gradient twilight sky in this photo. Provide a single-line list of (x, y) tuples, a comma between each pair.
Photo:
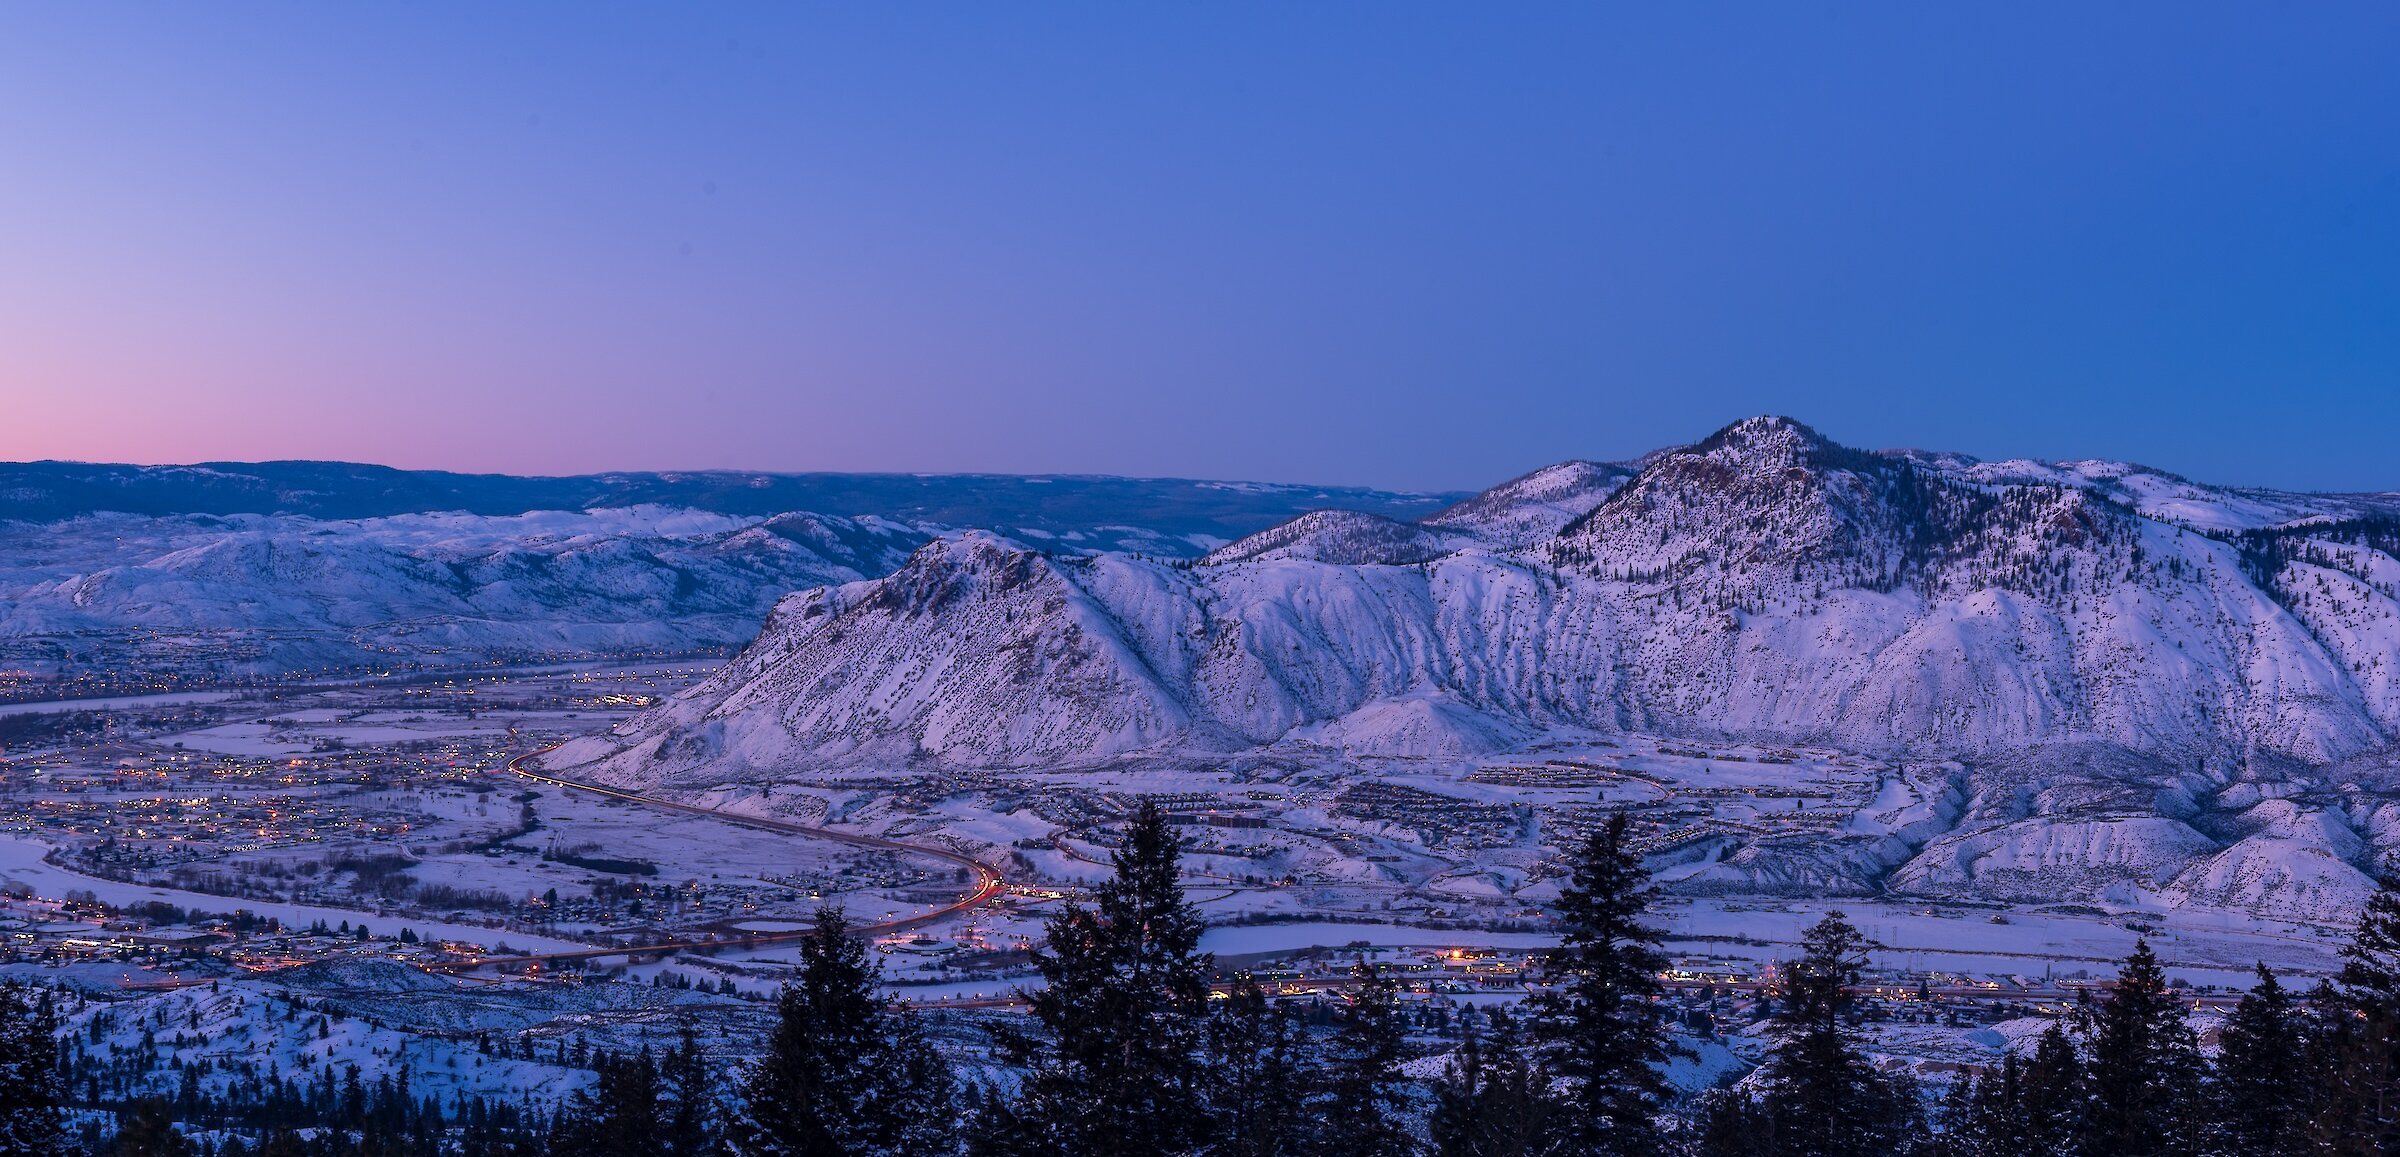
[(1407, 246)]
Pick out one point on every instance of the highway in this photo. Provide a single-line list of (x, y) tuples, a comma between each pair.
[(988, 881)]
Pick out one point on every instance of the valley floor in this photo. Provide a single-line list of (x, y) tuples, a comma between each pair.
[(355, 850)]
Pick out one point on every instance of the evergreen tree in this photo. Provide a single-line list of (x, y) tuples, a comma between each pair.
[(688, 1117), (1490, 1102), (1962, 1127), (2050, 1101), (1822, 1096), (2145, 1068), (998, 1129), (2265, 1091), (1986, 1117), (1596, 1027), (282, 1143), (1361, 1108), (1124, 1009), (846, 1073), (1732, 1125), (1255, 1069), (146, 1130), (30, 1085), (618, 1117), (2360, 1025), (2022, 1108)]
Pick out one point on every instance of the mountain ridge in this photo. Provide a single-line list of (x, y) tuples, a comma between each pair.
[(2089, 696), (1761, 539), (250, 571)]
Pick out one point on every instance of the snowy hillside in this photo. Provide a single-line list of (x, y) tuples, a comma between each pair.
[(1528, 510), (260, 594), (1098, 507), (271, 568), (1763, 585)]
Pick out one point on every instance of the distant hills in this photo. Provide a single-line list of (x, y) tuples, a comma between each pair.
[(237, 570), (1055, 503)]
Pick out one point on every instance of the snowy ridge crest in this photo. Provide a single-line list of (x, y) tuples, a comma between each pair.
[(1764, 584)]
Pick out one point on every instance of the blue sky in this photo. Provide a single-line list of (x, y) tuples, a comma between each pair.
[(1407, 246)]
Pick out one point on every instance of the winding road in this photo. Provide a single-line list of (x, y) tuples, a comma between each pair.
[(988, 881)]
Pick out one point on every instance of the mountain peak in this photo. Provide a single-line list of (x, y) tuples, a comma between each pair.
[(1775, 441)]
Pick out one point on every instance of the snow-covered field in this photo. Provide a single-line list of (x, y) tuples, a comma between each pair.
[(21, 861)]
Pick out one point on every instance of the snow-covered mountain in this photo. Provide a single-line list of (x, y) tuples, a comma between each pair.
[(273, 568), (1171, 516), (1518, 513), (2072, 631), (263, 594)]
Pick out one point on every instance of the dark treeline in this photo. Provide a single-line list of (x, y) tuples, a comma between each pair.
[(1126, 1051)]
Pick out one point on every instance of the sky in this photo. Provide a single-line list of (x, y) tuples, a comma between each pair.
[(1420, 247)]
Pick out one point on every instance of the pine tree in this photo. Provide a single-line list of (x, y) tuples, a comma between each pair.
[(2051, 1098), (1596, 1027), (1732, 1125), (1961, 1127), (145, 1130), (1124, 1007), (1490, 1102), (1255, 1068), (1985, 1117), (688, 1118), (618, 1117), (30, 1091), (2145, 1067), (1455, 1122), (2359, 1020), (2265, 1091), (1823, 1098), (846, 1073), (1360, 1107)]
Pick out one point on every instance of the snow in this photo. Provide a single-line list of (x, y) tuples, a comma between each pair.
[(21, 861), (277, 593), (2098, 674), (1251, 939)]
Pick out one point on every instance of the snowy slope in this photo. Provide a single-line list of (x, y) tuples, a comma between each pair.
[(253, 594), (268, 568), (1515, 514), (1348, 537), (1763, 585), (1523, 511)]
